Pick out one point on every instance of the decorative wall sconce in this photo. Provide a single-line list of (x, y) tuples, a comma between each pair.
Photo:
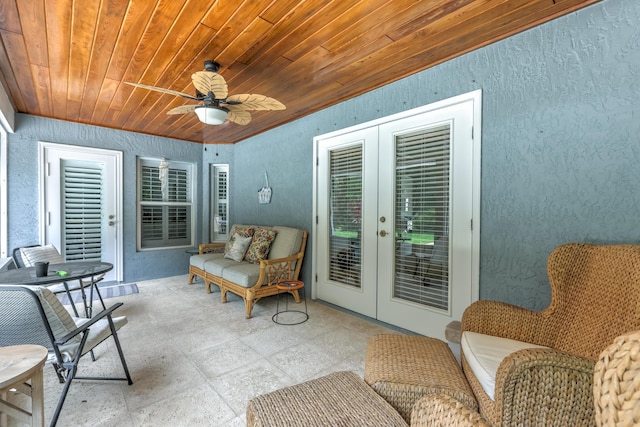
[(264, 194)]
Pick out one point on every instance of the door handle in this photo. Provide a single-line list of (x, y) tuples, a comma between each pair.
[(383, 233)]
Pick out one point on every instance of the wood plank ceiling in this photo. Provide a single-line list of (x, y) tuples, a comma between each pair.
[(69, 59)]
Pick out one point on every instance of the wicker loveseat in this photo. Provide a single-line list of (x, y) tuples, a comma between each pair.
[(251, 280)]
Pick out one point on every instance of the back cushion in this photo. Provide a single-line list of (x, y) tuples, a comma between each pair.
[(59, 318), (287, 242), (40, 253)]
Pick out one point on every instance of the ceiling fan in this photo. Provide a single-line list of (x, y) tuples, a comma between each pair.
[(217, 106)]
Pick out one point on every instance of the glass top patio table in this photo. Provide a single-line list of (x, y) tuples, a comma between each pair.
[(75, 271)]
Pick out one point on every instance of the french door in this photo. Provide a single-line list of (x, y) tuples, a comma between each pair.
[(81, 206), (396, 202)]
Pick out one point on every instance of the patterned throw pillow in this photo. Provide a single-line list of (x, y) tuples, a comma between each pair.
[(260, 246), (238, 247), (242, 231)]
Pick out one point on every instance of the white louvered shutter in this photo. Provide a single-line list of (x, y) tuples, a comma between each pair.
[(165, 223), (219, 202), (83, 202)]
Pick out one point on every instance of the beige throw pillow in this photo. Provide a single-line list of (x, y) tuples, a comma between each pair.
[(238, 247)]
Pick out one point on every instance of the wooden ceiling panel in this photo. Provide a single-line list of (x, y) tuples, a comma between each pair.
[(32, 20), (105, 39), (71, 60), (59, 42), (9, 17), (20, 69)]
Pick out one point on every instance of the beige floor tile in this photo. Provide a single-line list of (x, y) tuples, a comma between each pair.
[(196, 361)]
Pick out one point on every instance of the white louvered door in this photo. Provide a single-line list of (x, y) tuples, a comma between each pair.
[(395, 205), (81, 204)]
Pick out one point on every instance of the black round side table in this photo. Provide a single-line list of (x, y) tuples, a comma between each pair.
[(286, 286)]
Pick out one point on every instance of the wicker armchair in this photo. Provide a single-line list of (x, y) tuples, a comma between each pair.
[(616, 383), (595, 298)]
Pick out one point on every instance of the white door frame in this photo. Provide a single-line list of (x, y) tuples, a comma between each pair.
[(116, 156), (475, 97)]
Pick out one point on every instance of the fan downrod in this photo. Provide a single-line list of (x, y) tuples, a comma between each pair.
[(210, 65)]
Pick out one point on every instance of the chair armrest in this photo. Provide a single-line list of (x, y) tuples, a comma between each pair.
[(543, 383), (205, 248), (86, 325), (278, 269), (616, 385), (439, 409), (504, 320), (266, 262)]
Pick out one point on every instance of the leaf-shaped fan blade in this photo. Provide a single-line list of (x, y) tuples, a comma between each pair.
[(183, 109), (208, 81), (239, 117), (251, 101), (163, 90)]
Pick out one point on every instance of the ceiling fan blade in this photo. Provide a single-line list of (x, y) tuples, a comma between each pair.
[(239, 117), (251, 101), (163, 90), (208, 81), (183, 109)]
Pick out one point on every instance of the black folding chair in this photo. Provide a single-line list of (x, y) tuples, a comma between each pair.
[(36, 316)]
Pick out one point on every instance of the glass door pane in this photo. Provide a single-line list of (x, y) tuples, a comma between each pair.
[(422, 217), (345, 215)]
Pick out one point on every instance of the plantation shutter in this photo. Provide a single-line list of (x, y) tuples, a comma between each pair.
[(220, 202), (422, 216), (83, 202), (346, 217), (165, 221)]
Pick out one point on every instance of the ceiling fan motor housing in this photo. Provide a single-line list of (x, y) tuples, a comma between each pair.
[(210, 65)]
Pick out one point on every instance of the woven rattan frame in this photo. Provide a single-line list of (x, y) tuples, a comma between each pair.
[(272, 271), (616, 383), (437, 410), (595, 296), (404, 368), (337, 399)]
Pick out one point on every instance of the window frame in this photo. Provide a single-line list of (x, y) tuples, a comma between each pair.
[(190, 204)]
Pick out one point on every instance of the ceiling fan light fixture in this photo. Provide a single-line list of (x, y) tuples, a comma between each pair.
[(211, 115)]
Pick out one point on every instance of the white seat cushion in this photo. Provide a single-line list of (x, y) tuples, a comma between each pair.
[(484, 353)]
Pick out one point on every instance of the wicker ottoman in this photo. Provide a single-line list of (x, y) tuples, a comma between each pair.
[(338, 399), (403, 368)]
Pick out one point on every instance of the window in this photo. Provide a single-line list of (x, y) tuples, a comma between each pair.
[(219, 203), (165, 204)]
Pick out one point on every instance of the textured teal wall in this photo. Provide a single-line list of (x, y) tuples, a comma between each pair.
[(560, 151), (560, 145), (22, 191)]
